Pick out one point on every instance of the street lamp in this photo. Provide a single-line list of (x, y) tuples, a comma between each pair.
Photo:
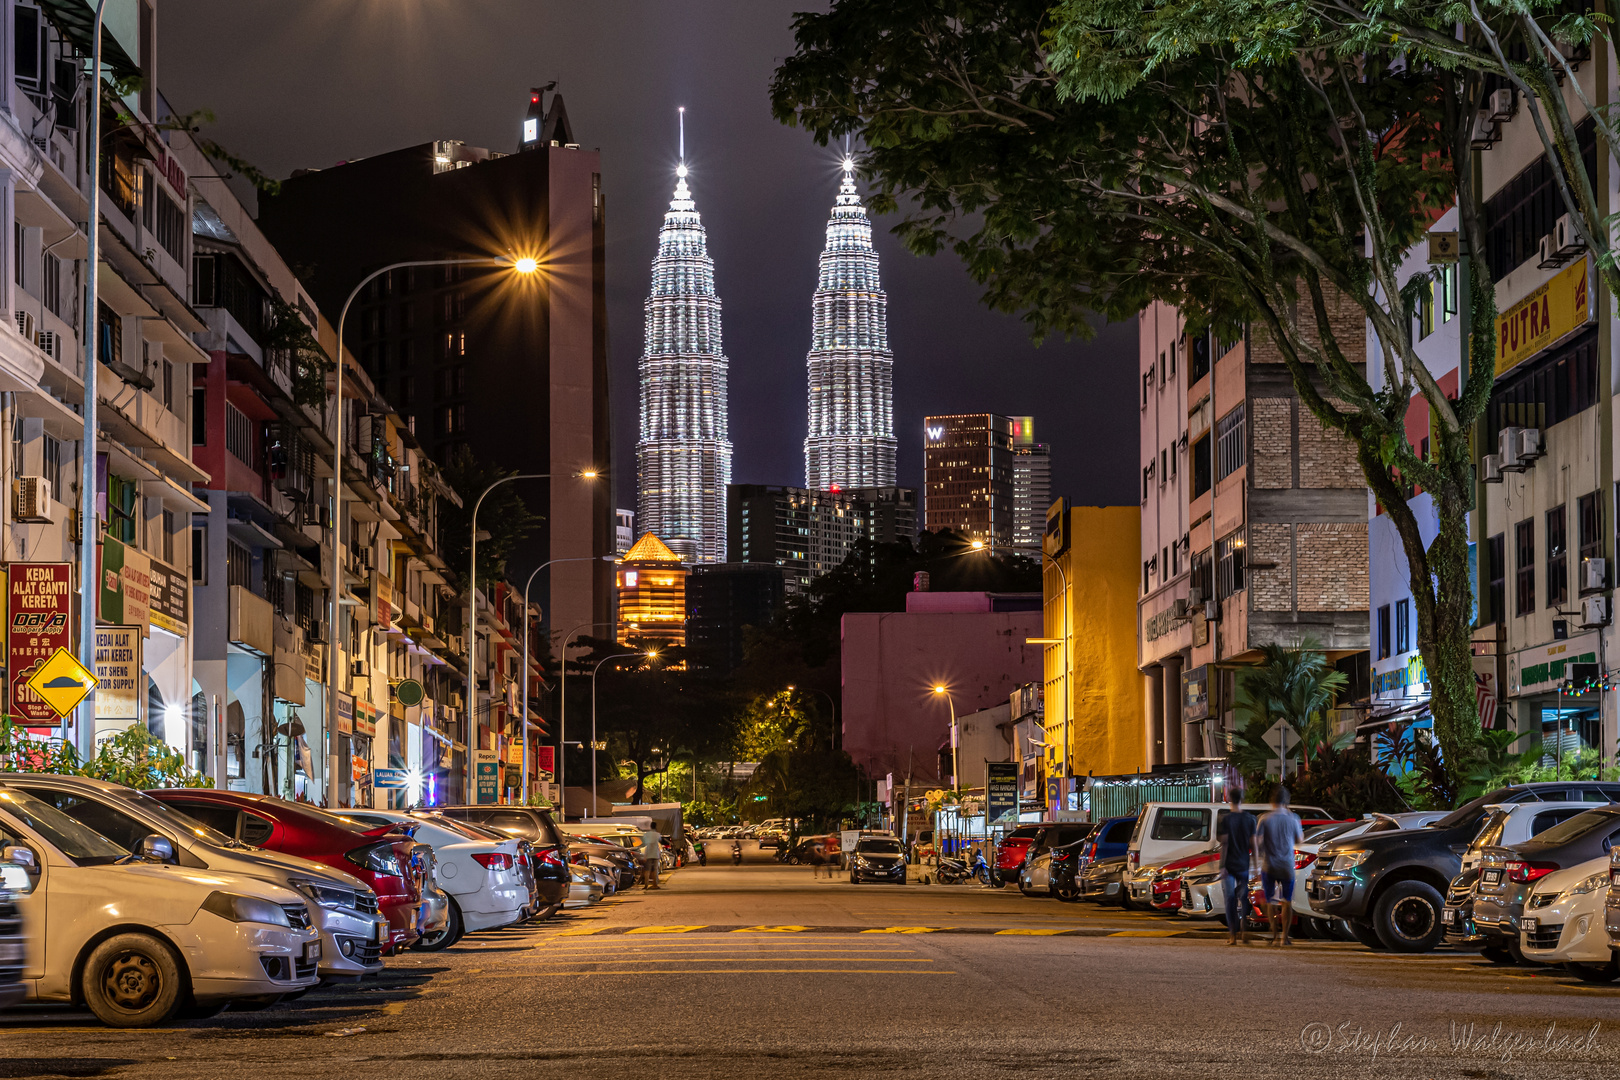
[(830, 703), (945, 690), (523, 265), (616, 656), (562, 719)]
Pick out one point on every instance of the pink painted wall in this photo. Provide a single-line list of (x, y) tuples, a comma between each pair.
[(891, 662)]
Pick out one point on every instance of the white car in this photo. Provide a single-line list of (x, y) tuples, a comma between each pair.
[(1506, 824), (1169, 831), (1563, 921), (182, 942), (483, 876), (584, 888)]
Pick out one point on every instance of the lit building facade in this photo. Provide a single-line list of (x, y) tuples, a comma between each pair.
[(968, 476), (652, 594), (807, 533), (1032, 483), (851, 440), (683, 458)]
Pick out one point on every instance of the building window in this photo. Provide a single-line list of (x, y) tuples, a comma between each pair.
[(122, 500), (1524, 545), (1200, 466), (199, 416), (1147, 478), (1448, 291), (199, 550), (1200, 577), (1496, 575), (1523, 210), (1548, 390), (53, 464), (1147, 384), (110, 349), (1230, 454), (1383, 632), (1589, 512), (51, 284), (1403, 625), (238, 565), (168, 537), (1147, 576), (1557, 559), (238, 434), (1229, 565)]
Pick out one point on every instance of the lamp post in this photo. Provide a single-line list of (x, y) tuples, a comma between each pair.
[(830, 703), (562, 713), (598, 667), (89, 525), (945, 690), (523, 265), (589, 475)]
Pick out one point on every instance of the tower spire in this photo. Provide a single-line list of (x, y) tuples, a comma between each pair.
[(681, 114)]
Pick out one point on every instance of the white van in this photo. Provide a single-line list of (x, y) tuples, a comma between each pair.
[(1167, 831)]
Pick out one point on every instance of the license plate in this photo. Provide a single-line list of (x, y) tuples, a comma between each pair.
[(1529, 924), (1310, 889), (1448, 916), (312, 950), (12, 952), (1492, 877)]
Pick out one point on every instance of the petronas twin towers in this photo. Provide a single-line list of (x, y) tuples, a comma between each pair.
[(683, 458)]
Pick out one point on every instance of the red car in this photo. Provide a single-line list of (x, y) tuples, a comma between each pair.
[(380, 860), (1167, 882), (1012, 852)]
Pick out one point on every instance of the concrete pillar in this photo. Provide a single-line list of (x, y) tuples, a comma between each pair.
[(1153, 717), (1174, 752)]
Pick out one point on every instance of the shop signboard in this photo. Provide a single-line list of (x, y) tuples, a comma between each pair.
[(545, 763), (170, 599), (1543, 669), (514, 753), (39, 617), (1545, 317), (1195, 693), (365, 719), (383, 591), (118, 673), (126, 586), (1407, 678), (345, 713), (487, 769), (1001, 783)]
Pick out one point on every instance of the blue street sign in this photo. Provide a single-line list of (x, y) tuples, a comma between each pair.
[(390, 778)]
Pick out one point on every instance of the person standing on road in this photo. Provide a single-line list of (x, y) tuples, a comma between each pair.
[(650, 851), (1278, 832), (1235, 831)]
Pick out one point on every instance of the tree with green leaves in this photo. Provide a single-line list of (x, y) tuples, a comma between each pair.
[(1082, 164), (1297, 686), (654, 716)]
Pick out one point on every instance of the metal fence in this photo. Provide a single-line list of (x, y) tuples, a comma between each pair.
[(1120, 796)]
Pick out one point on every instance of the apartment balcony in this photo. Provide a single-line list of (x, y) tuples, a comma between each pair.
[(251, 622)]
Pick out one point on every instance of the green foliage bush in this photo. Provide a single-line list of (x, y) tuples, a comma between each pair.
[(133, 757)]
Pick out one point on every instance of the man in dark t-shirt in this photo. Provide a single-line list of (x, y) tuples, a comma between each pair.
[(1235, 831)]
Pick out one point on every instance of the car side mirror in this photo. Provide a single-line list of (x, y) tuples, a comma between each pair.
[(20, 856), (155, 848)]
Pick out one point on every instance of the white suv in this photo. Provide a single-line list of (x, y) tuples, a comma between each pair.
[(1167, 831)]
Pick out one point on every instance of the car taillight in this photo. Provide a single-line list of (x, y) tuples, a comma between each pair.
[(1522, 872), (378, 858), (494, 860), (1061, 856), (1302, 859), (551, 857), (1134, 859)]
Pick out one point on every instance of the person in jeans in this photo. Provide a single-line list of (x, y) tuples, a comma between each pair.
[(1275, 838), (650, 851), (1235, 831)]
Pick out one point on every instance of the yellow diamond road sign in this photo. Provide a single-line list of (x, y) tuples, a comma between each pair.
[(62, 682)]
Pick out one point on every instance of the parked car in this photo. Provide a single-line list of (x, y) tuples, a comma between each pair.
[(487, 879), (1168, 831), (1458, 915), (14, 944), (139, 940), (1056, 871), (1012, 854), (584, 888), (1391, 887), (1109, 840), (1032, 880), (380, 861), (550, 866), (1103, 880), (877, 858), (1165, 891), (526, 859), (625, 863), (806, 849), (1316, 839), (1514, 823), (344, 908), (1563, 922), (1507, 874)]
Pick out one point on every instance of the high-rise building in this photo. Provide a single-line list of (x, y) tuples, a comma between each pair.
[(851, 440), (1032, 483), (722, 601), (624, 530), (808, 533), (683, 458), (652, 594), (512, 367), (968, 476)]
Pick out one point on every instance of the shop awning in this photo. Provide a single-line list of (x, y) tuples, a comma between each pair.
[(1393, 715), (77, 21)]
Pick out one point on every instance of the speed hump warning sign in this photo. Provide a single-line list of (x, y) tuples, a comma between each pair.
[(62, 682)]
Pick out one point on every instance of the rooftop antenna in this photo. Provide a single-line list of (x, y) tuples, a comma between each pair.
[(682, 121)]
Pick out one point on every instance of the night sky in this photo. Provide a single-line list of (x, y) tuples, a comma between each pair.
[(308, 83)]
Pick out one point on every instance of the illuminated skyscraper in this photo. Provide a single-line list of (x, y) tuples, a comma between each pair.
[(851, 441), (683, 458)]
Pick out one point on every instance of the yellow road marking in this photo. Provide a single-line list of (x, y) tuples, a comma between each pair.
[(578, 932), (1031, 933), (1144, 933), (740, 960), (771, 930), (905, 929), (747, 971), (665, 929)]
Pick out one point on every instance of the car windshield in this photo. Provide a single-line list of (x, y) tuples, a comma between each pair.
[(1578, 827), (83, 845), (878, 847), (178, 821), (1327, 832)]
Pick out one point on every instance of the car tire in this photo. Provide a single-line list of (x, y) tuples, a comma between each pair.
[(194, 1011), (1023, 887), (1340, 930), (997, 881), (1068, 894), (133, 981), (446, 936), (1407, 917), (853, 880), (1363, 932), (902, 879), (549, 910), (1498, 955), (1594, 973)]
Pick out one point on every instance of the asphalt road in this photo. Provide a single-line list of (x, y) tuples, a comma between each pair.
[(766, 972)]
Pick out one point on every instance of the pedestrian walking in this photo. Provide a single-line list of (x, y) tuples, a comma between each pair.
[(1235, 832), (817, 860), (1275, 838), (650, 851)]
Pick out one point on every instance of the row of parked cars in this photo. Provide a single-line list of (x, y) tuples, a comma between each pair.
[(148, 906), (1528, 873)]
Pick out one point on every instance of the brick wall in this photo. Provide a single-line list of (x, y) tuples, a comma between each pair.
[(1273, 442), (1332, 566), (1327, 458), (1345, 317), (1271, 542)]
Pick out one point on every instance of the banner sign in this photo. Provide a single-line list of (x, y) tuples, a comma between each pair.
[(126, 586), (383, 592), (170, 599), (545, 760), (1195, 693), (345, 711), (39, 609), (1552, 312), (118, 673), (365, 718), (1001, 789), (488, 773)]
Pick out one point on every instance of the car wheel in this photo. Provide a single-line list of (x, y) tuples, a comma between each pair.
[(853, 880), (1340, 930), (194, 1011), (1496, 954), (1594, 973), (997, 881), (133, 981), (1023, 887), (902, 879), (551, 909), (1068, 894), (1363, 932), (444, 937), (1407, 917)]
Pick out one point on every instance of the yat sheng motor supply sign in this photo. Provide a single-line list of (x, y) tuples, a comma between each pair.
[(39, 607), (118, 672)]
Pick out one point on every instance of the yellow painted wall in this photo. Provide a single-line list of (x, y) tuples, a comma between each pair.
[(1102, 564)]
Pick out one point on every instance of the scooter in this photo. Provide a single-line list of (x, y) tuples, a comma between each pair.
[(702, 853), (955, 871), (736, 853)]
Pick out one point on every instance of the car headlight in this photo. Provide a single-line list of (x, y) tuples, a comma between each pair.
[(1584, 886), (325, 895), (1349, 860), (239, 908)]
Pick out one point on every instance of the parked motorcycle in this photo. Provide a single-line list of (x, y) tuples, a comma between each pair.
[(736, 853), (955, 871)]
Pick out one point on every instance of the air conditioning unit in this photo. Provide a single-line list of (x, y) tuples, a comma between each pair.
[(359, 669), (1501, 104), (1548, 249), (1566, 237), (456, 643), (1195, 596), (1212, 611), (1485, 133), (1594, 574), (32, 499), (1490, 468), (50, 343), (1508, 450), (1594, 611), (1530, 447), (1179, 609), (25, 324)]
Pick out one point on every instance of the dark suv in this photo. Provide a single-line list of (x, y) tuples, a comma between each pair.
[(550, 853), (1391, 887)]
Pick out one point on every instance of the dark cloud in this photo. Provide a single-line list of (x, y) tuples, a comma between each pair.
[(307, 83)]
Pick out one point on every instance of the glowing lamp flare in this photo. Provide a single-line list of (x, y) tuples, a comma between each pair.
[(526, 265)]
